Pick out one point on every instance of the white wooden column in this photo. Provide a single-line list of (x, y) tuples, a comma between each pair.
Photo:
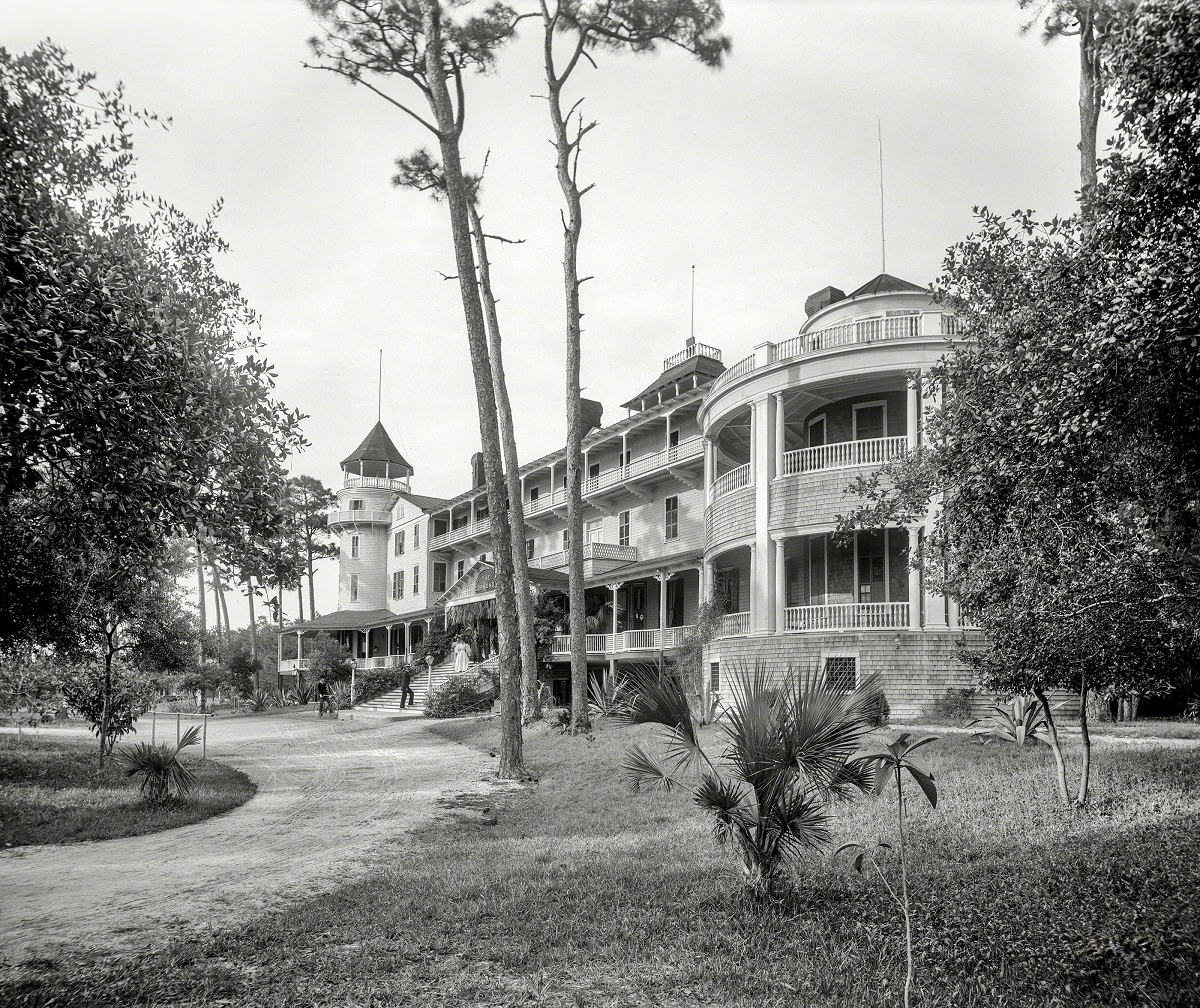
[(780, 439), (624, 451), (935, 603), (913, 416), (914, 579), (762, 560), (780, 617), (667, 443), (663, 577), (710, 472), (299, 648)]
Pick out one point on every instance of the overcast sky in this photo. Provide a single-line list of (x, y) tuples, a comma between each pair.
[(764, 175)]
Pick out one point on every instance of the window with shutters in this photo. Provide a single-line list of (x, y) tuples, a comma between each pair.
[(416, 580), (354, 547), (400, 543), (460, 570), (416, 536), (714, 677), (672, 517), (353, 587), (397, 585), (529, 548), (439, 577), (623, 528)]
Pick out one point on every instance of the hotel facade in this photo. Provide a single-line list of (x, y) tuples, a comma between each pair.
[(722, 481)]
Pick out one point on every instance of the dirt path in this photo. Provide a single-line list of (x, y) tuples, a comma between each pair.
[(330, 794)]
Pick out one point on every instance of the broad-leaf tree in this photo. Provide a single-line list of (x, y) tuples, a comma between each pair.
[(1066, 446)]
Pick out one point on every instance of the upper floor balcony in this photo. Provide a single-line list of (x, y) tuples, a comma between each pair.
[(685, 457), (591, 551), (694, 350), (375, 483), (841, 455), (847, 333), (625, 641), (359, 516)]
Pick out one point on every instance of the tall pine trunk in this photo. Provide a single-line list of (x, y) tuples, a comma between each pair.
[(458, 199), (572, 228), (1089, 110), (512, 478), (308, 556)]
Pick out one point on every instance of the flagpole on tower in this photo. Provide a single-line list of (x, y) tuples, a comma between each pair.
[(379, 392), (882, 234)]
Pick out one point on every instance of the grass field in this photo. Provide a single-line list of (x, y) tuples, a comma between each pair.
[(51, 791), (575, 893)]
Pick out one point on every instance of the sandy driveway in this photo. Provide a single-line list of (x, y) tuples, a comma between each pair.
[(330, 793)]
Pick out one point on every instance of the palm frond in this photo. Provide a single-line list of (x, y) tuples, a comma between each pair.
[(857, 776), (641, 771), (649, 699), (724, 800), (800, 821), (825, 727)]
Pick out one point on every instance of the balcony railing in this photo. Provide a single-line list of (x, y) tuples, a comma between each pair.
[(733, 480), (731, 374), (734, 624), (695, 350), (375, 483), (852, 616), (591, 551), (626, 640), (360, 517), (692, 448), (843, 454), (925, 324)]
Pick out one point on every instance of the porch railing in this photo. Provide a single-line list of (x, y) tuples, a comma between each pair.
[(375, 482), (733, 480), (734, 624), (843, 454), (591, 551), (626, 640), (852, 616), (360, 517)]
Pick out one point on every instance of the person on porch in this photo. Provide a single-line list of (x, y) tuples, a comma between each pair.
[(462, 655)]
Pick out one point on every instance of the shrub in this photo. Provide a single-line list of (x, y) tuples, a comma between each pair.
[(376, 682), (261, 700), (459, 695), (301, 694), (161, 770), (1026, 723), (954, 704)]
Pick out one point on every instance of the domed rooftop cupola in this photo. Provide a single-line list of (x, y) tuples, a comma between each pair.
[(377, 457)]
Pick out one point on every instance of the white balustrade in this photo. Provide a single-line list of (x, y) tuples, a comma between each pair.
[(733, 624), (851, 616), (360, 517), (733, 480), (696, 349), (626, 640), (375, 482), (844, 454), (733, 373)]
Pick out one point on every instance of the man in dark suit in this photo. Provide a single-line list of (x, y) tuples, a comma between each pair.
[(406, 694)]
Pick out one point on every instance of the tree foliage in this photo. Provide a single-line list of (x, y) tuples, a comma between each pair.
[(135, 402), (1063, 433)]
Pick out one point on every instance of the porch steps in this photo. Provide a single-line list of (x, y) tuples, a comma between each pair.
[(387, 705)]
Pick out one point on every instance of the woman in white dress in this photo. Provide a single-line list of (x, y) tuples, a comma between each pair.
[(462, 655)]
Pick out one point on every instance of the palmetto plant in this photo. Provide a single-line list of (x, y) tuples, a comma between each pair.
[(1026, 722), (162, 771), (261, 700), (789, 752)]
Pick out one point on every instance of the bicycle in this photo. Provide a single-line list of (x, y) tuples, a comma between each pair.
[(327, 704)]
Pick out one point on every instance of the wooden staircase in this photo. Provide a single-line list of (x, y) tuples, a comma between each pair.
[(387, 705)]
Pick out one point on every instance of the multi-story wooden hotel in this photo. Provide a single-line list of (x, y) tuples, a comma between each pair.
[(718, 480)]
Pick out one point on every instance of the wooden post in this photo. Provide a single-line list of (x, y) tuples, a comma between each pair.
[(178, 717), (204, 739), (153, 721)]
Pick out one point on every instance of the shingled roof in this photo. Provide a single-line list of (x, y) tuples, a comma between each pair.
[(885, 283), (378, 447)]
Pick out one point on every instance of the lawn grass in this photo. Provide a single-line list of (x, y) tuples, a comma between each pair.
[(574, 892), (52, 792)]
